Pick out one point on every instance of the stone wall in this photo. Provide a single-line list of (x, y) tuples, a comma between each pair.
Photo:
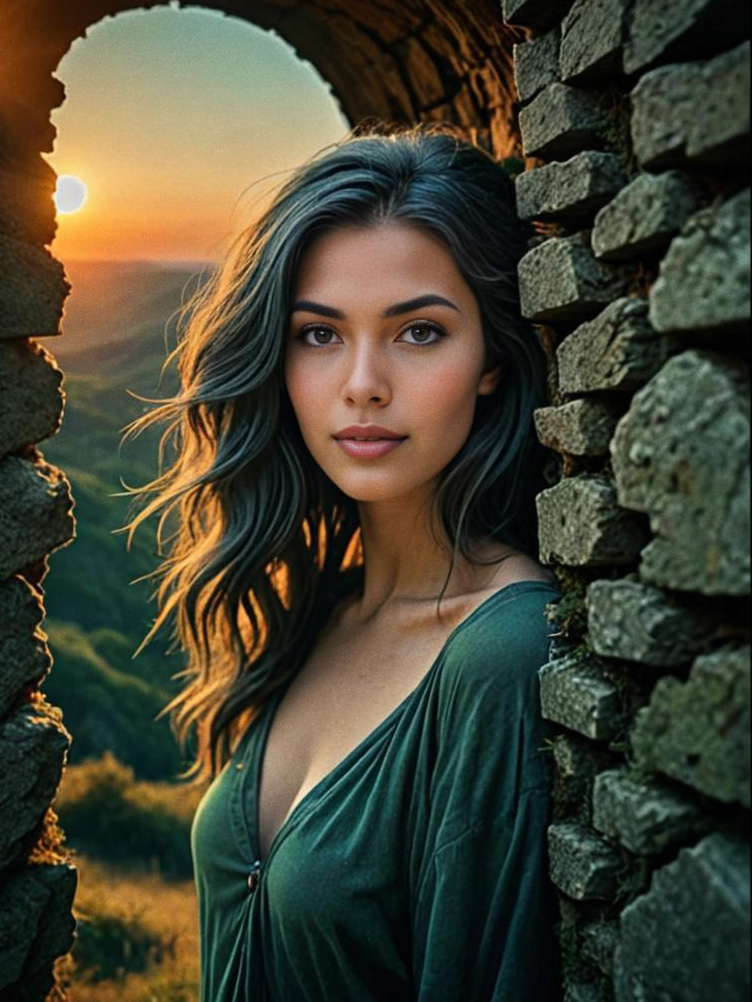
[(37, 879), (635, 121)]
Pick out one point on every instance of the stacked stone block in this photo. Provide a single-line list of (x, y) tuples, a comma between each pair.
[(37, 878), (634, 120)]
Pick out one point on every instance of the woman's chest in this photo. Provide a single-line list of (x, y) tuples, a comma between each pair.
[(346, 846), (340, 697)]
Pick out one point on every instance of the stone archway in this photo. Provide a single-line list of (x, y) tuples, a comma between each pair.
[(426, 60)]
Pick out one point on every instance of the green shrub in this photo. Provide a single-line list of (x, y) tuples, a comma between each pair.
[(109, 815), (111, 945)]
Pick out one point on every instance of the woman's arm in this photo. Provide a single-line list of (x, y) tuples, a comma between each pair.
[(484, 908), (485, 915)]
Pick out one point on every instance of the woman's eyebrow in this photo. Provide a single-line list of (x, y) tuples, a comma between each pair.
[(429, 299)]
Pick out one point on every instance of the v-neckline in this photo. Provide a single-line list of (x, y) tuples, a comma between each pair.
[(344, 763)]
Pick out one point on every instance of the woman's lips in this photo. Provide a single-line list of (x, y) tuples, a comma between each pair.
[(368, 450)]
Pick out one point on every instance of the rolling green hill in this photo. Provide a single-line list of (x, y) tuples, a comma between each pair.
[(97, 612)]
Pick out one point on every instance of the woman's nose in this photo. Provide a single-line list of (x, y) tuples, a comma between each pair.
[(367, 375)]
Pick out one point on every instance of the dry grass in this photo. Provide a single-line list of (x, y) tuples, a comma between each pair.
[(168, 908)]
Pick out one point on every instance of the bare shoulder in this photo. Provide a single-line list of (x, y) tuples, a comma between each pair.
[(513, 566)]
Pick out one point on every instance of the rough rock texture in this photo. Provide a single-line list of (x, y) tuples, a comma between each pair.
[(618, 350), (36, 927), (680, 455), (663, 103), (35, 512), (31, 395), (394, 61), (644, 215), (536, 64), (657, 90), (33, 748), (32, 290), (561, 280), (592, 35), (645, 816), (577, 763), (581, 523), (669, 30), (24, 654), (638, 622), (26, 203), (580, 427), (720, 129), (704, 279), (582, 864), (693, 111), (662, 955), (570, 190), (698, 732), (560, 121), (578, 695), (599, 941), (28, 487)]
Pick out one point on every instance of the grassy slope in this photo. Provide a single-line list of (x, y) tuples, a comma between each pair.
[(117, 911)]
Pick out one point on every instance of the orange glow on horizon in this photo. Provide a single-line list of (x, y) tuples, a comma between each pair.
[(177, 158)]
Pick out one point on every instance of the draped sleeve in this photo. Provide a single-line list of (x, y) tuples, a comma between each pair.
[(485, 912)]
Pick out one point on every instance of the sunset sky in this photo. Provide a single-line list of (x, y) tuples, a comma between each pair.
[(170, 116)]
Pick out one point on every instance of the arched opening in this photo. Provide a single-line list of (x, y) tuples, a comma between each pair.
[(430, 63)]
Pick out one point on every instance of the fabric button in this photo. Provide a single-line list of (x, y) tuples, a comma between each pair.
[(254, 875)]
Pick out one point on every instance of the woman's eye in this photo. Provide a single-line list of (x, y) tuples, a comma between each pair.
[(423, 328), (426, 329), (310, 330)]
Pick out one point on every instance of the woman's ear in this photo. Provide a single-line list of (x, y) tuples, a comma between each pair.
[(490, 380)]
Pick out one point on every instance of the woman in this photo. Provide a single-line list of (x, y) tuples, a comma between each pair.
[(378, 831)]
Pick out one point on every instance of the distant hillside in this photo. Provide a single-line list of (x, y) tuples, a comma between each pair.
[(110, 299), (96, 616)]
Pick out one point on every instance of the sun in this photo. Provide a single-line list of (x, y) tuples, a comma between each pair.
[(70, 193)]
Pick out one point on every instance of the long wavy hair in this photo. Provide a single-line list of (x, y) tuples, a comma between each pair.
[(263, 540)]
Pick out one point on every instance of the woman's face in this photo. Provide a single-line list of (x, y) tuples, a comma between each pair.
[(359, 352)]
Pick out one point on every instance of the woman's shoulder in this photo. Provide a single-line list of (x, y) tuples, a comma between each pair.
[(488, 706), (516, 611), (499, 647)]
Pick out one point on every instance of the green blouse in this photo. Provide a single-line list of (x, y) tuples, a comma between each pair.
[(417, 869)]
